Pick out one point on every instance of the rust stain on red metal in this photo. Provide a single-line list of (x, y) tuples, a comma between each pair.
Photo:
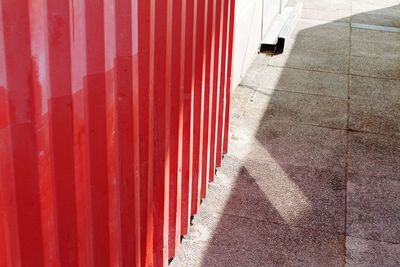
[(113, 118)]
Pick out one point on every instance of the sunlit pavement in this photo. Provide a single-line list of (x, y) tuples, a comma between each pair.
[(312, 177)]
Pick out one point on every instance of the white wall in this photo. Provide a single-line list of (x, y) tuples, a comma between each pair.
[(271, 9), (251, 17), (248, 17)]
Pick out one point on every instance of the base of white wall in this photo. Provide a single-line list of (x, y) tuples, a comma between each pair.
[(253, 19)]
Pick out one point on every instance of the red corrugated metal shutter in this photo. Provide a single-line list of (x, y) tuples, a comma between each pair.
[(113, 117)]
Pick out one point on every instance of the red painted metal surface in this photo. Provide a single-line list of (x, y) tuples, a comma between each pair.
[(114, 115), (229, 69)]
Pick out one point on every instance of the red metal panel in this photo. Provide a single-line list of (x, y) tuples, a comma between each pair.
[(201, 26), (178, 52), (127, 194), (216, 89), (145, 65), (208, 94), (113, 116), (20, 175), (161, 95), (222, 86), (187, 146), (61, 124), (230, 42)]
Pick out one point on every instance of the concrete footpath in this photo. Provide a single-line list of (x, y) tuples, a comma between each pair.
[(312, 177)]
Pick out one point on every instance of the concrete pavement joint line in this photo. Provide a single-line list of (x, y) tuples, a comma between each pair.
[(337, 73), (370, 132), (293, 92), (347, 156), (281, 224), (375, 77), (325, 21), (322, 126), (376, 240), (251, 88), (308, 69), (346, 189), (369, 56), (350, 130), (327, 127), (247, 86), (294, 68), (372, 27), (257, 90), (347, 128)]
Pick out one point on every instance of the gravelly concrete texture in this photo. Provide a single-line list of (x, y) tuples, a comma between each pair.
[(312, 177)]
